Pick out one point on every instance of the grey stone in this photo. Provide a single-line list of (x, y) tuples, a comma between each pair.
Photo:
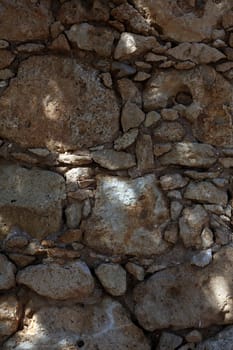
[(126, 140), (172, 181), (152, 119), (135, 270), (169, 341), (122, 69), (132, 116), (222, 341), (206, 192), (175, 209), (7, 273), (187, 297), (129, 91), (30, 199), (72, 280), (202, 259), (73, 215), (190, 154), (144, 152), (10, 314), (114, 160), (169, 132), (127, 217), (171, 233), (112, 278), (207, 238)]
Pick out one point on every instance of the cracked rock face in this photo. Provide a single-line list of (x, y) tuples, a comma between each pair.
[(105, 326), (127, 217), (61, 113)]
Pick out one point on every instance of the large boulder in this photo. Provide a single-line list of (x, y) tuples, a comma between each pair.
[(69, 107)]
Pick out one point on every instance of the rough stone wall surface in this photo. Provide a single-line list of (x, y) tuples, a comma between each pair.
[(116, 174)]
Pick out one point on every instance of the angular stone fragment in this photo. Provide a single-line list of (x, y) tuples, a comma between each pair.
[(222, 341), (202, 259), (190, 154), (7, 273), (136, 270), (206, 192), (169, 132), (172, 181), (182, 21), (112, 278), (61, 113), (129, 91), (72, 280), (6, 57), (77, 177), (196, 52), (9, 315), (152, 119), (73, 215), (126, 140), (113, 160), (188, 297), (15, 24), (127, 217), (144, 152), (131, 45), (132, 116), (191, 225), (30, 199), (105, 326), (91, 38), (169, 341)]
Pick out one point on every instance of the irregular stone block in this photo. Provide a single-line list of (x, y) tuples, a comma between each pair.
[(188, 297), (61, 115), (72, 280), (104, 326), (206, 192), (127, 217), (9, 315), (114, 160), (7, 273), (222, 341), (30, 199), (112, 278)]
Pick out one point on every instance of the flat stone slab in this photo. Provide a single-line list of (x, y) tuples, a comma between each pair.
[(127, 217)]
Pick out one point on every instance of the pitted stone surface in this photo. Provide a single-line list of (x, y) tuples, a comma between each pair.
[(127, 217), (61, 113)]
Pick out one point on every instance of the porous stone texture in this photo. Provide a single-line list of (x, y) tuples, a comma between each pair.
[(127, 217), (222, 341)]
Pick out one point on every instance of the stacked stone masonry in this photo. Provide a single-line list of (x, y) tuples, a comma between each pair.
[(116, 174)]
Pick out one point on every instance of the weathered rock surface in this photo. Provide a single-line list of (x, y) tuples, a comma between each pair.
[(72, 280), (105, 326), (113, 160), (206, 192), (9, 315), (6, 57), (30, 199), (190, 154), (183, 20), (132, 116), (169, 341), (187, 297), (144, 152), (172, 181), (222, 341), (7, 273), (169, 132), (61, 113), (126, 140), (112, 278), (18, 12), (127, 217)]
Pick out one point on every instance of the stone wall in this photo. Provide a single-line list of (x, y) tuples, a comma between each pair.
[(116, 160)]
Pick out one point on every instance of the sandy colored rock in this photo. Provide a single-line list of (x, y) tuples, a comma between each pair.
[(18, 13), (73, 215), (132, 116), (7, 273), (30, 199), (187, 297), (190, 154), (206, 192), (169, 341), (6, 57), (9, 315), (222, 341), (72, 280), (114, 160), (112, 278), (172, 181), (182, 21), (127, 217), (105, 326), (131, 45), (61, 113), (90, 38), (196, 52), (191, 224)]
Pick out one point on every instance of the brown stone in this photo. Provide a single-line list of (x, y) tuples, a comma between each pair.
[(9, 315), (6, 57), (61, 113), (144, 153)]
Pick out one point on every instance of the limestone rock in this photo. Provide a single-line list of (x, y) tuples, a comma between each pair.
[(76, 12), (196, 52), (18, 13), (206, 192), (144, 152), (126, 140), (105, 326), (131, 45), (169, 132), (112, 278), (187, 297), (61, 113), (222, 341), (72, 280), (191, 225), (30, 199), (127, 217), (114, 160), (9, 315), (190, 154), (169, 341), (132, 116), (91, 38), (182, 21), (172, 181), (7, 273)]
